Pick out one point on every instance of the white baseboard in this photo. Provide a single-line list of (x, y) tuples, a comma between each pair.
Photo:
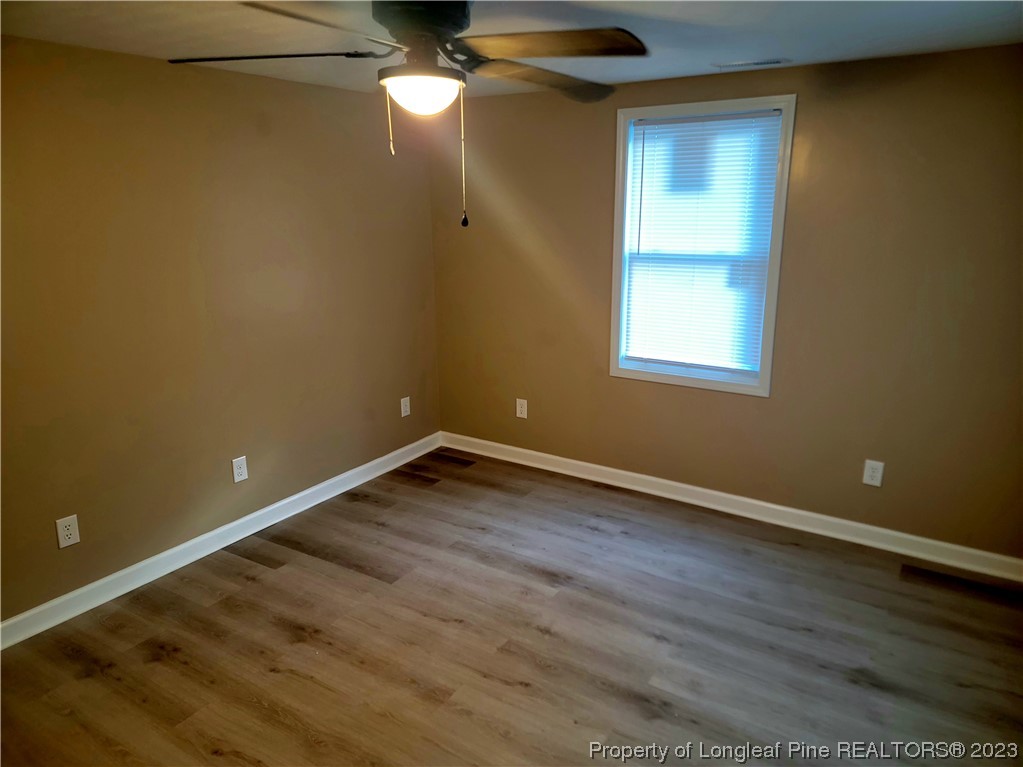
[(49, 614), (30, 622), (917, 547)]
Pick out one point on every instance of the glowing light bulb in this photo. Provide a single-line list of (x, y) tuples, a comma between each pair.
[(422, 94)]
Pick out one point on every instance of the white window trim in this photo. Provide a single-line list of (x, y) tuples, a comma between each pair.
[(649, 372)]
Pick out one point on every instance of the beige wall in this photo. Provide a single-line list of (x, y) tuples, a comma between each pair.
[(196, 265), (899, 314), (200, 264)]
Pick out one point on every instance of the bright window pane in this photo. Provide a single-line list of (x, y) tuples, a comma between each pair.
[(689, 314), (699, 205)]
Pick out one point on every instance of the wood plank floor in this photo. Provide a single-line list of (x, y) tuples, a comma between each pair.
[(462, 610)]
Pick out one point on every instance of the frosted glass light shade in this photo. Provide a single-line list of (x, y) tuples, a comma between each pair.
[(422, 91)]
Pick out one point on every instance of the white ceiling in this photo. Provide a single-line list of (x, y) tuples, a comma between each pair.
[(684, 38)]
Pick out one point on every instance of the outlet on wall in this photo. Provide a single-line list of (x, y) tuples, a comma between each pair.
[(67, 531), (520, 409), (406, 406), (873, 473), (240, 469)]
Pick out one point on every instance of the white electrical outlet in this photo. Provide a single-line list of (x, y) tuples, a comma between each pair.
[(240, 469), (67, 531), (873, 473), (406, 406), (520, 408)]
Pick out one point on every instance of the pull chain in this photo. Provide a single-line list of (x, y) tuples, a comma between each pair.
[(461, 112), (390, 130)]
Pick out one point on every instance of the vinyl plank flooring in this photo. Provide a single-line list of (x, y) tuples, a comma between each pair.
[(462, 610)]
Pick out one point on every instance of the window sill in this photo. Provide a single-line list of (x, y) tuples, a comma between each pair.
[(730, 383)]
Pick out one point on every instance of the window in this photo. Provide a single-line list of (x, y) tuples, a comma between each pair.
[(698, 224)]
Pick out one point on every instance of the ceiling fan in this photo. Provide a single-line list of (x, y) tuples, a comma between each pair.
[(428, 31)]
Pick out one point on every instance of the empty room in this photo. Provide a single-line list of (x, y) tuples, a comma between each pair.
[(511, 383)]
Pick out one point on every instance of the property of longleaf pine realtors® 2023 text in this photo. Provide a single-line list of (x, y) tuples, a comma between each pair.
[(743, 752)]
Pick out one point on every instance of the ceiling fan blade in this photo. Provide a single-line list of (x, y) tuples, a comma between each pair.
[(573, 87), (342, 54), (291, 14), (608, 41)]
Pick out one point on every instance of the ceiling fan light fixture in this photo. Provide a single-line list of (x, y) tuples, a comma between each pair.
[(422, 90)]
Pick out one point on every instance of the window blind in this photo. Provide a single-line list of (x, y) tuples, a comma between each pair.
[(700, 195)]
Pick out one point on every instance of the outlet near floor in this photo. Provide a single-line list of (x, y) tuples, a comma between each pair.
[(240, 469), (406, 406), (67, 531), (873, 473), (520, 409)]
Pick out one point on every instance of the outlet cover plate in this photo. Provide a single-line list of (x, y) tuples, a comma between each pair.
[(67, 531), (521, 408), (406, 406), (240, 469), (873, 473)]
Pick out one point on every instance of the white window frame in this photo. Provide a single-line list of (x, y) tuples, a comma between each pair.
[(679, 375)]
